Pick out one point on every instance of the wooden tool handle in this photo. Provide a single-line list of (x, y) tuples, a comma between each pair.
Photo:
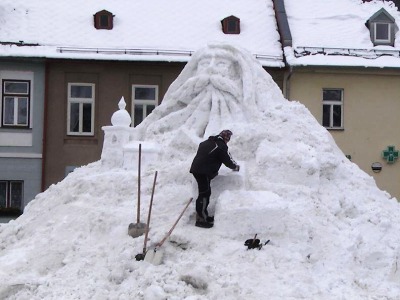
[(149, 215), (173, 227), (138, 196)]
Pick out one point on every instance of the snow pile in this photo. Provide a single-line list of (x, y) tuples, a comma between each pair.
[(334, 234)]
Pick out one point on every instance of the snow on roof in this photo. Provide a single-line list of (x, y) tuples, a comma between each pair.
[(324, 32), (333, 32), (143, 29)]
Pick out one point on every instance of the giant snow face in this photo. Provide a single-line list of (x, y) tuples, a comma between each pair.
[(214, 95), (220, 86)]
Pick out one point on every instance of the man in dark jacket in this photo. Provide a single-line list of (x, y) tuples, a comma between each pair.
[(211, 154)]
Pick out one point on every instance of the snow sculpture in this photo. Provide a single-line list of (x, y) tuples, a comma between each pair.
[(118, 149), (121, 117), (116, 137), (325, 217), (217, 87)]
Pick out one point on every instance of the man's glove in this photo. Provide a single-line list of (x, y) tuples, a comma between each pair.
[(237, 168)]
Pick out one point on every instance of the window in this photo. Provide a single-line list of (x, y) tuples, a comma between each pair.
[(144, 98), (15, 103), (332, 111), (11, 194), (80, 120), (103, 20), (231, 25), (382, 33), (382, 27)]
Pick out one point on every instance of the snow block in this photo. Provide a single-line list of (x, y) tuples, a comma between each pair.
[(245, 213), (149, 155), (227, 179)]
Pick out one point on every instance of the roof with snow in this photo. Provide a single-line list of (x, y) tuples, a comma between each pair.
[(323, 33), (334, 32), (142, 30)]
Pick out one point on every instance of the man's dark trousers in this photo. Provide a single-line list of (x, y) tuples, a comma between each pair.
[(203, 183)]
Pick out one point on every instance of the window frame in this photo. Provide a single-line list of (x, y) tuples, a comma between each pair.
[(16, 97), (9, 194), (331, 104), (81, 101), (389, 33), (144, 102)]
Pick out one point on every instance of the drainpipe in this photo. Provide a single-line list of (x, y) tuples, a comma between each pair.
[(286, 83), (282, 23), (286, 40), (44, 139)]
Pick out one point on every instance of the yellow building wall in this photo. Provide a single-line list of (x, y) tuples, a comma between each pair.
[(371, 115)]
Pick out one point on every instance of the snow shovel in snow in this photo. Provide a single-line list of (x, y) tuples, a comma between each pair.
[(142, 255), (156, 256), (136, 230)]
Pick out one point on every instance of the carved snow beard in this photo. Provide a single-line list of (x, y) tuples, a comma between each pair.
[(197, 84), (204, 104)]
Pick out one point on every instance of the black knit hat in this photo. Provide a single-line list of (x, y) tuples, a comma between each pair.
[(226, 135)]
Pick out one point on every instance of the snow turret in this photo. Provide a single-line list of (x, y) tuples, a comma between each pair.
[(120, 149), (116, 137), (121, 117)]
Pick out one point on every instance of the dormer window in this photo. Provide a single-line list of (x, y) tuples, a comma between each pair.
[(382, 28), (103, 20), (382, 33), (231, 25)]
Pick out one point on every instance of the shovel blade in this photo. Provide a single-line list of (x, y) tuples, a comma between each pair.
[(154, 257), (137, 229)]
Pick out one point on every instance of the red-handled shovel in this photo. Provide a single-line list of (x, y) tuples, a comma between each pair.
[(156, 256)]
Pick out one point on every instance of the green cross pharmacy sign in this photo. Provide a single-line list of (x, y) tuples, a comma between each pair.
[(390, 154)]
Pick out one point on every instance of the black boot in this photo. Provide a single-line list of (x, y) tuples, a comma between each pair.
[(204, 224), (210, 219), (200, 222)]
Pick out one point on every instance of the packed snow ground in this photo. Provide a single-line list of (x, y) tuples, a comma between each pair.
[(333, 234)]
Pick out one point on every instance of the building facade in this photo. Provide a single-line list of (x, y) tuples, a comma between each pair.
[(365, 123), (21, 132)]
